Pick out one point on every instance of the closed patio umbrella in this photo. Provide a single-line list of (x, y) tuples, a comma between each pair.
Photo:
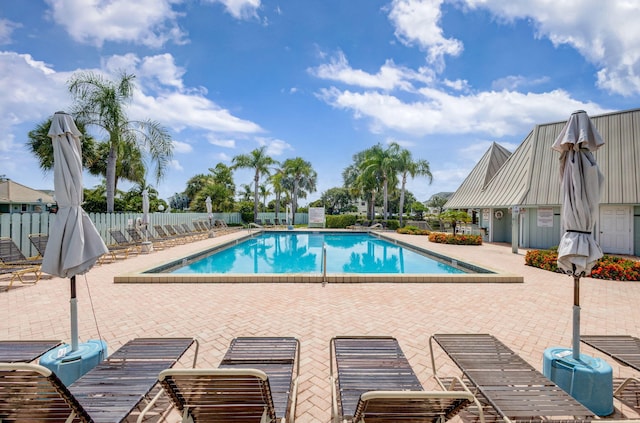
[(145, 212), (209, 209), (74, 244), (581, 181)]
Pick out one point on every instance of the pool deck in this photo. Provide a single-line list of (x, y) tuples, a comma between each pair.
[(529, 317)]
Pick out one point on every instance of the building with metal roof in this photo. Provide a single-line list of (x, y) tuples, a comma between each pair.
[(528, 181)]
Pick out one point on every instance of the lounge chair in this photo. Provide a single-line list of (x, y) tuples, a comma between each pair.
[(255, 382), (167, 237), (122, 241), (108, 392), (624, 349), (39, 242), (177, 233), (138, 238), (509, 385), (193, 233), (11, 255), (24, 351), (372, 381), (19, 271)]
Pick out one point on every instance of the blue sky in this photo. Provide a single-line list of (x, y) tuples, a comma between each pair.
[(320, 79)]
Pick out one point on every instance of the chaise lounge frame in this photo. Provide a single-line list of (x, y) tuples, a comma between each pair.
[(501, 378), (371, 380)]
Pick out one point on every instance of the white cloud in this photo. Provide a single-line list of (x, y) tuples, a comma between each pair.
[(228, 143), (182, 147), (275, 147), (240, 9), (6, 30), (606, 33), (175, 165), (513, 82), (496, 113), (418, 22), (389, 77), (95, 22)]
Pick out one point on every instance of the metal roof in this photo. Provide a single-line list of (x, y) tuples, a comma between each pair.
[(471, 188), (530, 176)]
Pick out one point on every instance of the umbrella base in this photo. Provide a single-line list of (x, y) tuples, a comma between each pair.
[(69, 365), (589, 380), (146, 247)]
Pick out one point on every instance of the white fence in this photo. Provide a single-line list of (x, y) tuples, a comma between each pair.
[(18, 226)]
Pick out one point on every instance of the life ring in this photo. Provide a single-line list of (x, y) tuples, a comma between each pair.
[(498, 214)]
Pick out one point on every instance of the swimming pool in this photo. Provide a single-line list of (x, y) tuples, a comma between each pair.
[(309, 252), (161, 272)]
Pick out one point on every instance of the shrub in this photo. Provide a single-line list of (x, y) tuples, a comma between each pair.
[(543, 259), (412, 230), (444, 238), (616, 268), (608, 267), (340, 221)]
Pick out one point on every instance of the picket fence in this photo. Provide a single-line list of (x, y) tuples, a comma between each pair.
[(18, 226)]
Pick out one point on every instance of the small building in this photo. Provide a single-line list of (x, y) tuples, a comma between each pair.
[(17, 198), (518, 195)]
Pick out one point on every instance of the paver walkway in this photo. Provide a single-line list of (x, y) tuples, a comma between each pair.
[(528, 317)]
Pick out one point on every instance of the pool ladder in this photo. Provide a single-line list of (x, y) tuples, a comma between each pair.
[(324, 263)]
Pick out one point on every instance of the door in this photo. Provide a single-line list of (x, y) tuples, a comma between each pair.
[(615, 229)]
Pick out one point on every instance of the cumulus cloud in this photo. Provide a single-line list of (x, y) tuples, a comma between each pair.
[(226, 143), (95, 22), (389, 77), (240, 9), (417, 22), (275, 147), (6, 30), (606, 33), (496, 113), (513, 82), (182, 147)]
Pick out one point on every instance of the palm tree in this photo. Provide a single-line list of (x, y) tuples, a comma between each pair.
[(264, 193), (259, 161), (408, 167), (301, 177), (41, 146), (246, 194), (382, 164), (101, 102), (361, 185), (276, 182)]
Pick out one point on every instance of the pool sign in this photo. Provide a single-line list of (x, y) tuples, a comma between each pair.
[(316, 217)]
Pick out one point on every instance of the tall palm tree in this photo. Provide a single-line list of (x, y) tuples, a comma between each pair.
[(102, 103), (408, 167), (276, 182), (382, 163), (361, 185), (264, 193), (259, 161), (302, 177)]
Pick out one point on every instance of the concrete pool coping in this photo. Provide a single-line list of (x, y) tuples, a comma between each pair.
[(487, 275)]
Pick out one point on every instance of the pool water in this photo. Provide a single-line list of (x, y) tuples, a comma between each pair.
[(302, 253)]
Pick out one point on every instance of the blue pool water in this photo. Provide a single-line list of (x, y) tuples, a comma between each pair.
[(301, 252)]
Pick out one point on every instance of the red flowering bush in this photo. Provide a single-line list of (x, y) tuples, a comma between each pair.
[(443, 238), (608, 267), (616, 268)]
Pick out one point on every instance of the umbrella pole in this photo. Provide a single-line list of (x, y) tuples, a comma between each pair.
[(74, 315), (576, 317)]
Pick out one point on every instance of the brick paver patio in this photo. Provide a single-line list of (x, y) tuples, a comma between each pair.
[(528, 317)]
